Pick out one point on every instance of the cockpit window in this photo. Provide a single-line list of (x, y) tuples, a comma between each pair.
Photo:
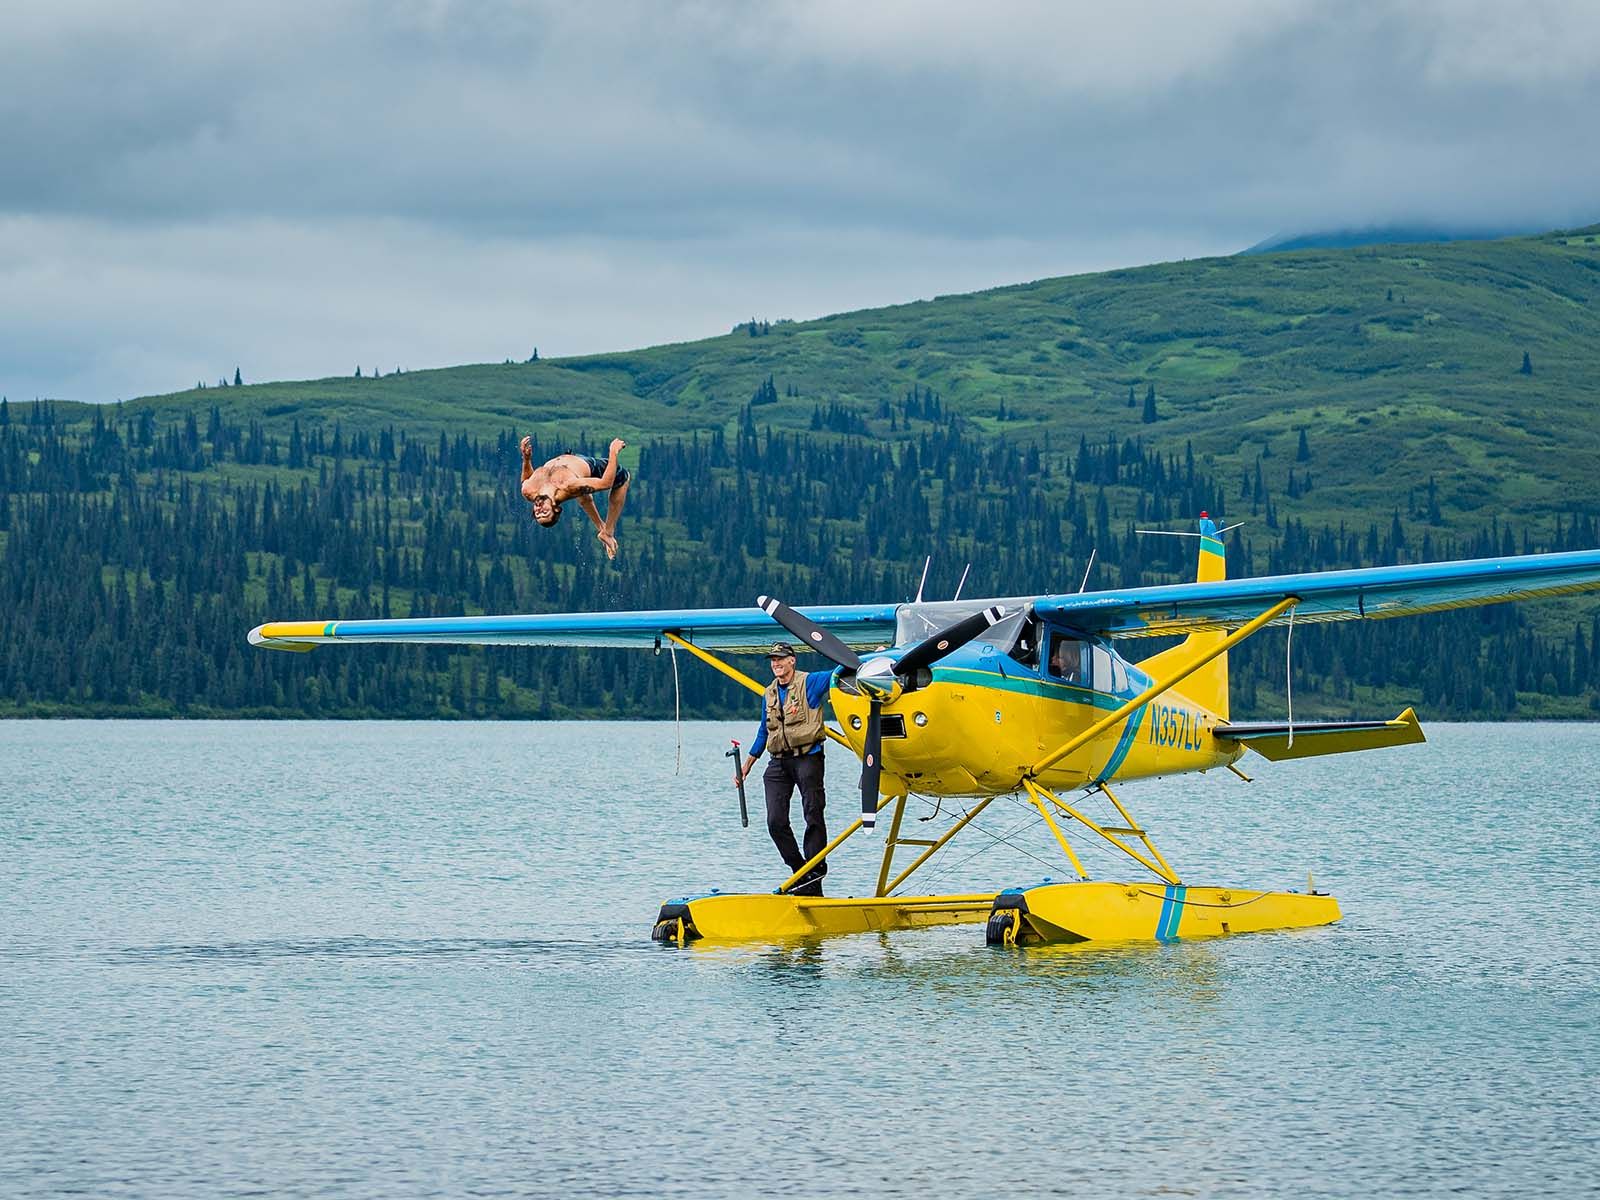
[(1069, 659), (1024, 642)]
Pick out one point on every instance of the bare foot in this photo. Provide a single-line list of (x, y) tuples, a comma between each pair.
[(609, 542)]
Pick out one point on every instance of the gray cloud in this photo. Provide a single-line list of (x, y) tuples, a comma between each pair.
[(291, 184)]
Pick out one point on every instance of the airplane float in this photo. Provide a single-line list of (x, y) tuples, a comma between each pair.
[(1026, 695)]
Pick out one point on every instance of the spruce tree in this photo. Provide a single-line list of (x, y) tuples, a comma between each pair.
[(1527, 364), (1150, 414)]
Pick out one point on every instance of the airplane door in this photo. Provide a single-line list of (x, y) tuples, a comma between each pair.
[(1016, 744), (1066, 707)]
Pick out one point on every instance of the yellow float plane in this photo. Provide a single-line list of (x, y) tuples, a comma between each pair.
[(1025, 695)]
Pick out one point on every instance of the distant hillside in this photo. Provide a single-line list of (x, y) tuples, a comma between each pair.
[(1398, 364), (1378, 235)]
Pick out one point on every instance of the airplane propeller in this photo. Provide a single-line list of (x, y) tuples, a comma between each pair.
[(809, 632), (880, 678)]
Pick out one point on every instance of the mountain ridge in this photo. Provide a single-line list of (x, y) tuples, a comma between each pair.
[(1350, 236), (1398, 363)]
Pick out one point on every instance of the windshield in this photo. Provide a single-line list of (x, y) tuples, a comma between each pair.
[(916, 622)]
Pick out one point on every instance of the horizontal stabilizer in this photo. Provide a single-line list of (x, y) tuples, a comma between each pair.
[(1272, 741)]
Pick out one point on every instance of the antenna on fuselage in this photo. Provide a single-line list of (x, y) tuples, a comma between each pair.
[(963, 582), (1092, 551), (926, 563)]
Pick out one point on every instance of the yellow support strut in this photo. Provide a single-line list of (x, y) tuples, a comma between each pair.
[(1038, 794), (1165, 872), (738, 676), (1156, 688), (888, 848), (1138, 831), (934, 849), (805, 868)]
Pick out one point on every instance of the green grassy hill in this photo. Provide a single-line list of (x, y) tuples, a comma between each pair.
[(1351, 406), (1399, 363)]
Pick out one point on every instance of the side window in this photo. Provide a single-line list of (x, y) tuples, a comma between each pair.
[(1119, 677), (1067, 656), (1102, 670)]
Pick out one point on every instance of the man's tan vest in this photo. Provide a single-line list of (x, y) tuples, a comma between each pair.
[(796, 726)]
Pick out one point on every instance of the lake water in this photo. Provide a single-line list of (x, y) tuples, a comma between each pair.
[(394, 959)]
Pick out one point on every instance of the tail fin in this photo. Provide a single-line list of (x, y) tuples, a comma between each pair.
[(1209, 685)]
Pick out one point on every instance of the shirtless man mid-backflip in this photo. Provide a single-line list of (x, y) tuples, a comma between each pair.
[(569, 475)]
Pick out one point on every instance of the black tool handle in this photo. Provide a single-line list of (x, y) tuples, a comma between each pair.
[(738, 782)]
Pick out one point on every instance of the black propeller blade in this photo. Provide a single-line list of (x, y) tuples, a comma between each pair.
[(929, 651), (809, 632), (871, 767)]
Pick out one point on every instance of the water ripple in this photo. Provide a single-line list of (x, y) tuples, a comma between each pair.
[(235, 963)]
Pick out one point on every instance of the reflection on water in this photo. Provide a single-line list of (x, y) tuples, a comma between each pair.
[(387, 959)]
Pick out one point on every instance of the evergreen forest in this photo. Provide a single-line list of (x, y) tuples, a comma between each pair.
[(135, 554)]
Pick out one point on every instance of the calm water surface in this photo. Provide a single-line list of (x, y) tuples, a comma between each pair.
[(413, 959)]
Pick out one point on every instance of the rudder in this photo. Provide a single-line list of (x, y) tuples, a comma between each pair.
[(1208, 686)]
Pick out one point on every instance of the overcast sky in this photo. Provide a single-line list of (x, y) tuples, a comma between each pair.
[(299, 188)]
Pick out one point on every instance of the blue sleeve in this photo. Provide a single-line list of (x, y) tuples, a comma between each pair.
[(817, 688), (760, 743)]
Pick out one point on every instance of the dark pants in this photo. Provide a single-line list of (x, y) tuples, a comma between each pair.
[(782, 776)]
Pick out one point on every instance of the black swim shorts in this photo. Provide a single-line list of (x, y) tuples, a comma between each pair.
[(597, 468)]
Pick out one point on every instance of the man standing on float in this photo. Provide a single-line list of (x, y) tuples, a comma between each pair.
[(791, 721)]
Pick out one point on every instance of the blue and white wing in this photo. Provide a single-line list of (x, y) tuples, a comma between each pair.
[(1363, 594), (748, 629)]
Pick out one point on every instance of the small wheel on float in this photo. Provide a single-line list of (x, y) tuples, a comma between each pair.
[(1002, 927)]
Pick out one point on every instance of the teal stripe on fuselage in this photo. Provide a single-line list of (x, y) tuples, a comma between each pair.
[(1061, 692), (1125, 742)]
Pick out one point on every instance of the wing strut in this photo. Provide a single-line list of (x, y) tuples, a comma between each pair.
[(1040, 795), (739, 677), (1159, 686)]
